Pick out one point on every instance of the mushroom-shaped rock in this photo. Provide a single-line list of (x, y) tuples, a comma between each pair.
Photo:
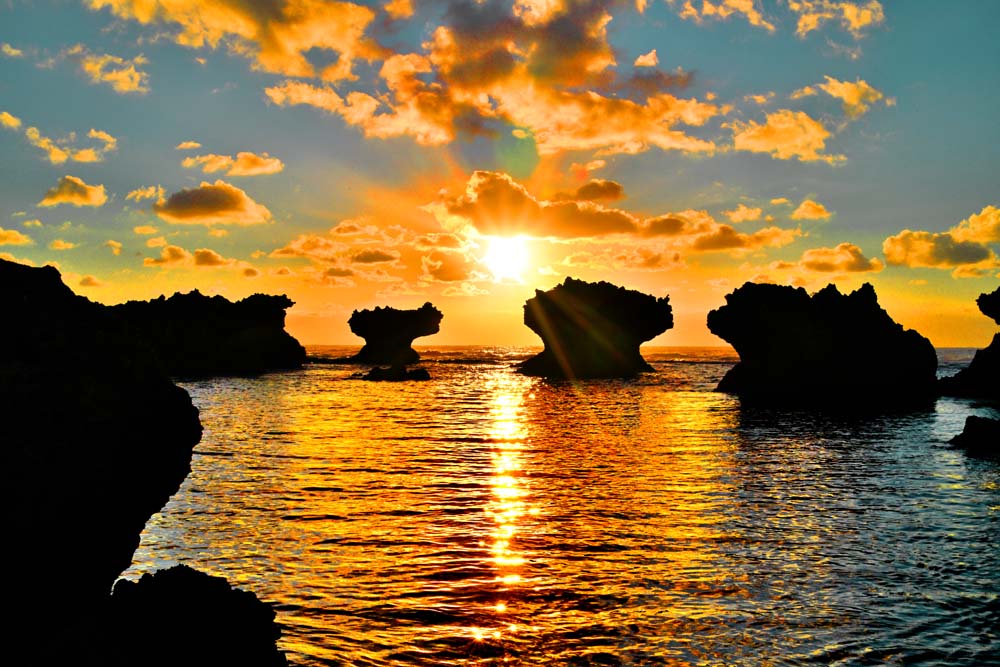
[(980, 437), (193, 335), (830, 348), (389, 333), (95, 440), (593, 330), (981, 379), (395, 374), (180, 616)]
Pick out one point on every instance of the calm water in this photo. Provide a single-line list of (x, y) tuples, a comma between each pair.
[(485, 518)]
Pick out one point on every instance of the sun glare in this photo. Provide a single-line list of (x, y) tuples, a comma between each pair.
[(506, 258)]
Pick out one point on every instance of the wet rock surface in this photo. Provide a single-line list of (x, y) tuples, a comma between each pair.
[(980, 437), (981, 378)]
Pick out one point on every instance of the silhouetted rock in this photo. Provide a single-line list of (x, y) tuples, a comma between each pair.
[(593, 330), (180, 616), (829, 349), (394, 374), (389, 333), (95, 440), (194, 335), (981, 379), (980, 437)]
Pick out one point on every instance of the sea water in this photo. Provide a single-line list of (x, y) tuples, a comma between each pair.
[(486, 518)]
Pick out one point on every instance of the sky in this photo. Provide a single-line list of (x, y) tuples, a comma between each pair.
[(469, 152)]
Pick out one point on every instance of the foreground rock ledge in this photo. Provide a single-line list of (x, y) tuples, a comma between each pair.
[(389, 333), (980, 437), (593, 330), (981, 379), (829, 349)]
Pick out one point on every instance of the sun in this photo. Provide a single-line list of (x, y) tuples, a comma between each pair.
[(506, 257)]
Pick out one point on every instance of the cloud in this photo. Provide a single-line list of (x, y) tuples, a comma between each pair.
[(9, 121), (785, 135), (761, 99), (495, 204), (32, 223), (187, 145), (811, 210), (9, 51), (725, 237), (743, 213), (723, 9), (90, 281), (115, 246), (276, 37), (442, 240), (596, 189), (244, 164), (14, 237), (218, 203), (781, 201), (399, 9), (857, 96), (72, 190), (156, 242), (647, 60), (982, 227), (60, 244), (935, 250), (463, 289), (845, 258), (854, 17), (208, 257), (154, 192), (373, 256), (646, 259), (313, 247), (145, 230), (123, 75), (169, 255), (450, 267), (250, 272), (60, 151)]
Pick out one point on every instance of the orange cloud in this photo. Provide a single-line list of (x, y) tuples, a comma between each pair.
[(647, 60), (154, 192), (852, 16), (936, 250), (982, 227), (785, 135), (374, 256), (218, 203), (723, 9), (187, 145), (857, 96), (208, 257), (169, 255), (276, 38), (145, 230), (123, 75), (59, 244), (596, 189), (811, 210), (9, 121), (59, 152), (72, 190), (115, 246), (724, 237), (845, 258), (9, 51), (743, 213), (90, 281), (244, 164), (313, 247), (14, 237)]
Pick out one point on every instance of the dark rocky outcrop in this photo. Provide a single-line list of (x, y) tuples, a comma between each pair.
[(389, 333), (980, 437), (981, 379), (180, 616), (829, 349), (95, 440), (193, 335), (394, 374), (593, 330)]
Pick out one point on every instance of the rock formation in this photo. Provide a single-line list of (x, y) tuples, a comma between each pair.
[(980, 437), (394, 374), (95, 440), (194, 335), (829, 349), (389, 333), (593, 330), (180, 616), (981, 379)]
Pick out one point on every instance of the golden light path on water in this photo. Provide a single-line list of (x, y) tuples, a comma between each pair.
[(486, 518)]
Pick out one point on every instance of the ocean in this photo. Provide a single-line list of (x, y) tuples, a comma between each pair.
[(485, 518)]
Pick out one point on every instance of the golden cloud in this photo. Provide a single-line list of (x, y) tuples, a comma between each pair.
[(785, 135), (169, 255), (313, 247), (218, 203), (852, 16), (781, 201), (982, 227), (123, 75), (647, 60), (244, 164), (90, 281), (9, 121), (743, 213), (145, 230), (115, 246), (208, 257), (72, 190), (187, 145), (60, 244), (857, 96), (374, 256), (724, 237), (936, 250), (596, 189), (9, 51), (845, 258), (811, 210), (14, 237), (723, 9), (58, 154), (444, 266), (152, 192), (276, 37)]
